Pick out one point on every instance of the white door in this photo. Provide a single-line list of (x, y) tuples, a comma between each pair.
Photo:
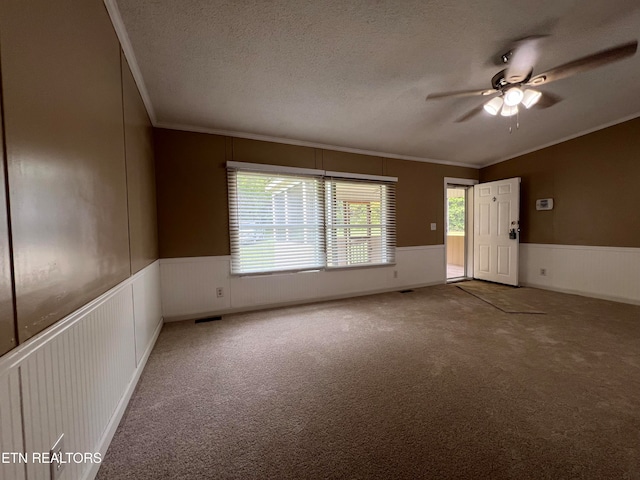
[(496, 217)]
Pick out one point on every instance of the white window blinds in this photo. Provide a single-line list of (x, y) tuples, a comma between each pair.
[(299, 219), (276, 222), (360, 225)]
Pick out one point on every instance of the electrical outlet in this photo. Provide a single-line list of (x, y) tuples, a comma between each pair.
[(433, 226), (55, 456), (395, 274), (219, 292), (543, 272)]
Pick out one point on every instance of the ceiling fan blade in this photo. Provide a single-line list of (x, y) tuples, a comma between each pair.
[(524, 57), (470, 114), (460, 93), (547, 100), (585, 63)]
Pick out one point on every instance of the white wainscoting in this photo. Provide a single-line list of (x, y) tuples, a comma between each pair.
[(189, 284), (147, 307), (10, 424), (611, 273), (77, 376)]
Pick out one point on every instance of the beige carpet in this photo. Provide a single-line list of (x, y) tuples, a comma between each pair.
[(433, 384), (503, 297)]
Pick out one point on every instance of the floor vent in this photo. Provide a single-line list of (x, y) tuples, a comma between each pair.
[(209, 319), (406, 291)]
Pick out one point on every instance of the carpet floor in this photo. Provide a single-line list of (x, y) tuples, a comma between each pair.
[(503, 297), (430, 384)]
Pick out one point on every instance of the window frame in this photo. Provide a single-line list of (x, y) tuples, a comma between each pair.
[(389, 238)]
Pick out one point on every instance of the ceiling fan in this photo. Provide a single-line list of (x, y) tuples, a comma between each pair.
[(511, 87)]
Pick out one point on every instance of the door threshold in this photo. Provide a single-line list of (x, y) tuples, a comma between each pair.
[(457, 279)]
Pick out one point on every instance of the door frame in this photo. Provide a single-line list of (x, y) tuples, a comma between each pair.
[(469, 183), (496, 238)]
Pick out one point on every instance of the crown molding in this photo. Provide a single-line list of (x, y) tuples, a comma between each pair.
[(125, 43), (302, 143), (564, 139), (127, 49)]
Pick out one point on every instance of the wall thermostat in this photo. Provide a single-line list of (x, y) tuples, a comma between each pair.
[(544, 204)]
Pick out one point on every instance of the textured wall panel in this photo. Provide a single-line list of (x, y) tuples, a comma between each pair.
[(10, 426), (593, 181), (147, 307), (193, 214), (141, 178), (605, 272), (8, 338), (189, 284), (65, 154), (72, 384)]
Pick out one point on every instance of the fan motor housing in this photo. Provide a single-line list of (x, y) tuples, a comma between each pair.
[(499, 81)]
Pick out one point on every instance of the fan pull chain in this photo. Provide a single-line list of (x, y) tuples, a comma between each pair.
[(517, 122)]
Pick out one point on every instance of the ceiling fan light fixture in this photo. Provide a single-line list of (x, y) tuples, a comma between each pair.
[(513, 96), (530, 98), (509, 110), (493, 106)]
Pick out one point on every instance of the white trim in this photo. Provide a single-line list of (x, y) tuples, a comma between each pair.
[(188, 288), (611, 298), (251, 308), (125, 43), (303, 143), (112, 426), (263, 167), (223, 258), (610, 273), (420, 247), (468, 182), (127, 49), (209, 258), (459, 181), (14, 357), (563, 139), (582, 247), (361, 176)]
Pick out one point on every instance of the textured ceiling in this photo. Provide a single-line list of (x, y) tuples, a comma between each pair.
[(355, 73)]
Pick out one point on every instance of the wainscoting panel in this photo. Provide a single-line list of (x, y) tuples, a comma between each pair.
[(76, 377), (603, 272), (10, 425), (73, 383), (189, 284), (147, 307)]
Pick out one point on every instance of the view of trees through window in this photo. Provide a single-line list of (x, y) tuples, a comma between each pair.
[(282, 222), (456, 215)]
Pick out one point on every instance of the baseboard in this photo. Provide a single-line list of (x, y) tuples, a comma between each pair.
[(110, 431), (253, 308), (609, 273), (189, 285), (611, 298)]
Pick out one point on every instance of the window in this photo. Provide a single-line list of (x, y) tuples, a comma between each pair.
[(286, 219), (276, 222), (360, 222)]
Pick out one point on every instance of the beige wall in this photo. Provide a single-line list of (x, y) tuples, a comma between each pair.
[(141, 175), (63, 98), (593, 180), (7, 330), (192, 188)]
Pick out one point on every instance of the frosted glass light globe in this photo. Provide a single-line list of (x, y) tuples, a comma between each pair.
[(530, 98), (513, 96), (509, 110), (493, 106)]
